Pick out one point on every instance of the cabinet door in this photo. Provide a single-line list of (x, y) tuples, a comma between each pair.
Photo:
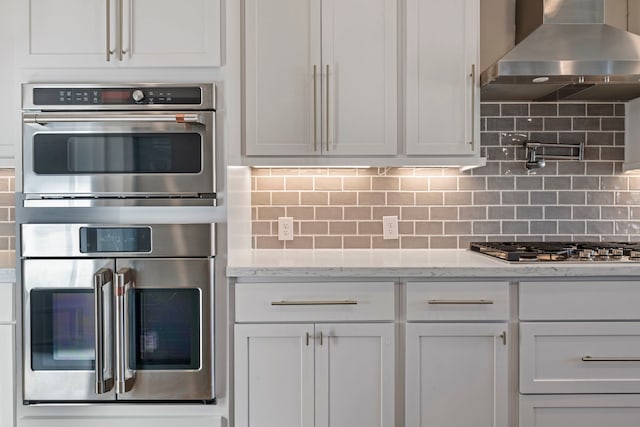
[(355, 375), (442, 110), (274, 375), (282, 77), (67, 33), (359, 55), (456, 375), (169, 33), (6, 375)]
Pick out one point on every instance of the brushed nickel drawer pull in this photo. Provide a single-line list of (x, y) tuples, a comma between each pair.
[(460, 301), (610, 359), (308, 336), (344, 302)]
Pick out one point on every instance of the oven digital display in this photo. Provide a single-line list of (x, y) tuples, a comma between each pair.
[(115, 239), (115, 96)]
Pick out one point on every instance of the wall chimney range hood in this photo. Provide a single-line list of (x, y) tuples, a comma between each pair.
[(565, 52)]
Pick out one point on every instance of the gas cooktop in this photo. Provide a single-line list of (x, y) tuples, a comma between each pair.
[(560, 251)]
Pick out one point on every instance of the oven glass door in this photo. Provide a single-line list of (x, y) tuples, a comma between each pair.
[(165, 348), (87, 154), (65, 326)]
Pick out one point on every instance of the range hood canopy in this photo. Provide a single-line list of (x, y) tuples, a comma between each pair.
[(565, 52)]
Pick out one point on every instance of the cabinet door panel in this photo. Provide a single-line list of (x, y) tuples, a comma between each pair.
[(355, 375), (282, 46), (442, 109), (66, 32), (163, 32), (362, 76), (274, 375), (456, 375), (6, 375)]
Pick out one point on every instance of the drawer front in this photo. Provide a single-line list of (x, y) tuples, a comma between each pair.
[(444, 301), (580, 357), (6, 302), (314, 302), (582, 410), (580, 300)]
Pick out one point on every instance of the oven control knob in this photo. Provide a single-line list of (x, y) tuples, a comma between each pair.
[(137, 95)]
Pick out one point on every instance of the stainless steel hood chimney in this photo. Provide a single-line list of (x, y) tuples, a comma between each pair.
[(565, 52)]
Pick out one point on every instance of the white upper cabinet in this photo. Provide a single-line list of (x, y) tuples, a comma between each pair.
[(320, 77), (442, 86), (98, 33)]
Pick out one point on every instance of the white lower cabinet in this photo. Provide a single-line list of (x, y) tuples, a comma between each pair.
[(456, 375), (7, 348), (304, 375)]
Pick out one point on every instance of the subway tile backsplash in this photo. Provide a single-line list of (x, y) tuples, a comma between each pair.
[(445, 208)]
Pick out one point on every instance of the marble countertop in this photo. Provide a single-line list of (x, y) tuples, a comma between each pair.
[(382, 263)]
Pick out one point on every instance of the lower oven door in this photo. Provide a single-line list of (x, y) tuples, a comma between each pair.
[(164, 323), (63, 316), (110, 155)]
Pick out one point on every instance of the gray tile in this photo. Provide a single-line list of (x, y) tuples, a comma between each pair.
[(529, 123), (600, 168), (514, 109), (586, 212), (444, 242), (635, 212), (543, 109), (529, 212), (515, 227), (458, 198), (600, 197), (486, 198), (489, 139), (590, 123), (600, 110), (615, 212), (443, 183), (572, 168), (612, 153), (619, 138), (443, 213), (491, 168), (571, 227), (551, 137), (591, 153), (634, 182), (551, 168), (513, 168), (500, 183), (544, 198), (557, 212), (572, 137), (513, 139), (429, 227), (543, 227), (586, 182), (600, 138), (572, 197), (529, 182), (487, 109), (486, 227), (472, 183), (501, 153), (464, 241), (529, 238), (627, 198), (620, 109), (472, 212), (502, 123), (599, 227), (571, 109), (557, 238), (458, 227), (614, 183), (483, 124), (502, 212), (560, 123), (557, 183), (614, 123), (515, 198)]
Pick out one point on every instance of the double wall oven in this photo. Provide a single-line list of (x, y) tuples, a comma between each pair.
[(118, 303)]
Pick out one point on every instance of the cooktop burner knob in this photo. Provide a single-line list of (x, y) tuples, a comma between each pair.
[(603, 253), (585, 254), (617, 253), (634, 255), (137, 95)]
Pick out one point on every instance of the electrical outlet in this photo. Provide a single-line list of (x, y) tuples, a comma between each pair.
[(389, 227), (285, 228)]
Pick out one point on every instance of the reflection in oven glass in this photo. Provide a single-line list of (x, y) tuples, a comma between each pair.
[(73, 329)]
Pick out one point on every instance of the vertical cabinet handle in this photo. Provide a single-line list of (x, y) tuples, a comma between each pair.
[(108, 50), (321, 337), (504, 337), (308, 336), (124, 282), (119, 31), (315, 110), (327, 108), (473, 106), (101, 278)]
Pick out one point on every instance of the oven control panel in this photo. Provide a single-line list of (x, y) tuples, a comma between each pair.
[(113, 96)]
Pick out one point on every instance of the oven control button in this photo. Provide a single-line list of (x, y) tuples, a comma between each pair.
[(137, 95)]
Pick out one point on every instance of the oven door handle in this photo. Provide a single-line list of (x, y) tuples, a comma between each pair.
[(124, 282), (101, 278), (44, 118)]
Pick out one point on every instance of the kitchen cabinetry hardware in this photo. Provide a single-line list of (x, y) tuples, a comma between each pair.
[(308, 336), (108, 20), (503, 335), (315, 108), (473, 106), (43, 119), (610, 359), (345, 302), (321, 336), (102, 278), (327, 106), (124, 282), (459, 301)]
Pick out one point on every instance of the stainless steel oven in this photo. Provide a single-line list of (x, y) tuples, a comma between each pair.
[(118, 145), (118, 312)]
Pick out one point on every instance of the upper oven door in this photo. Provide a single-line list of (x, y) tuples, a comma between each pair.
[(116, 155)]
